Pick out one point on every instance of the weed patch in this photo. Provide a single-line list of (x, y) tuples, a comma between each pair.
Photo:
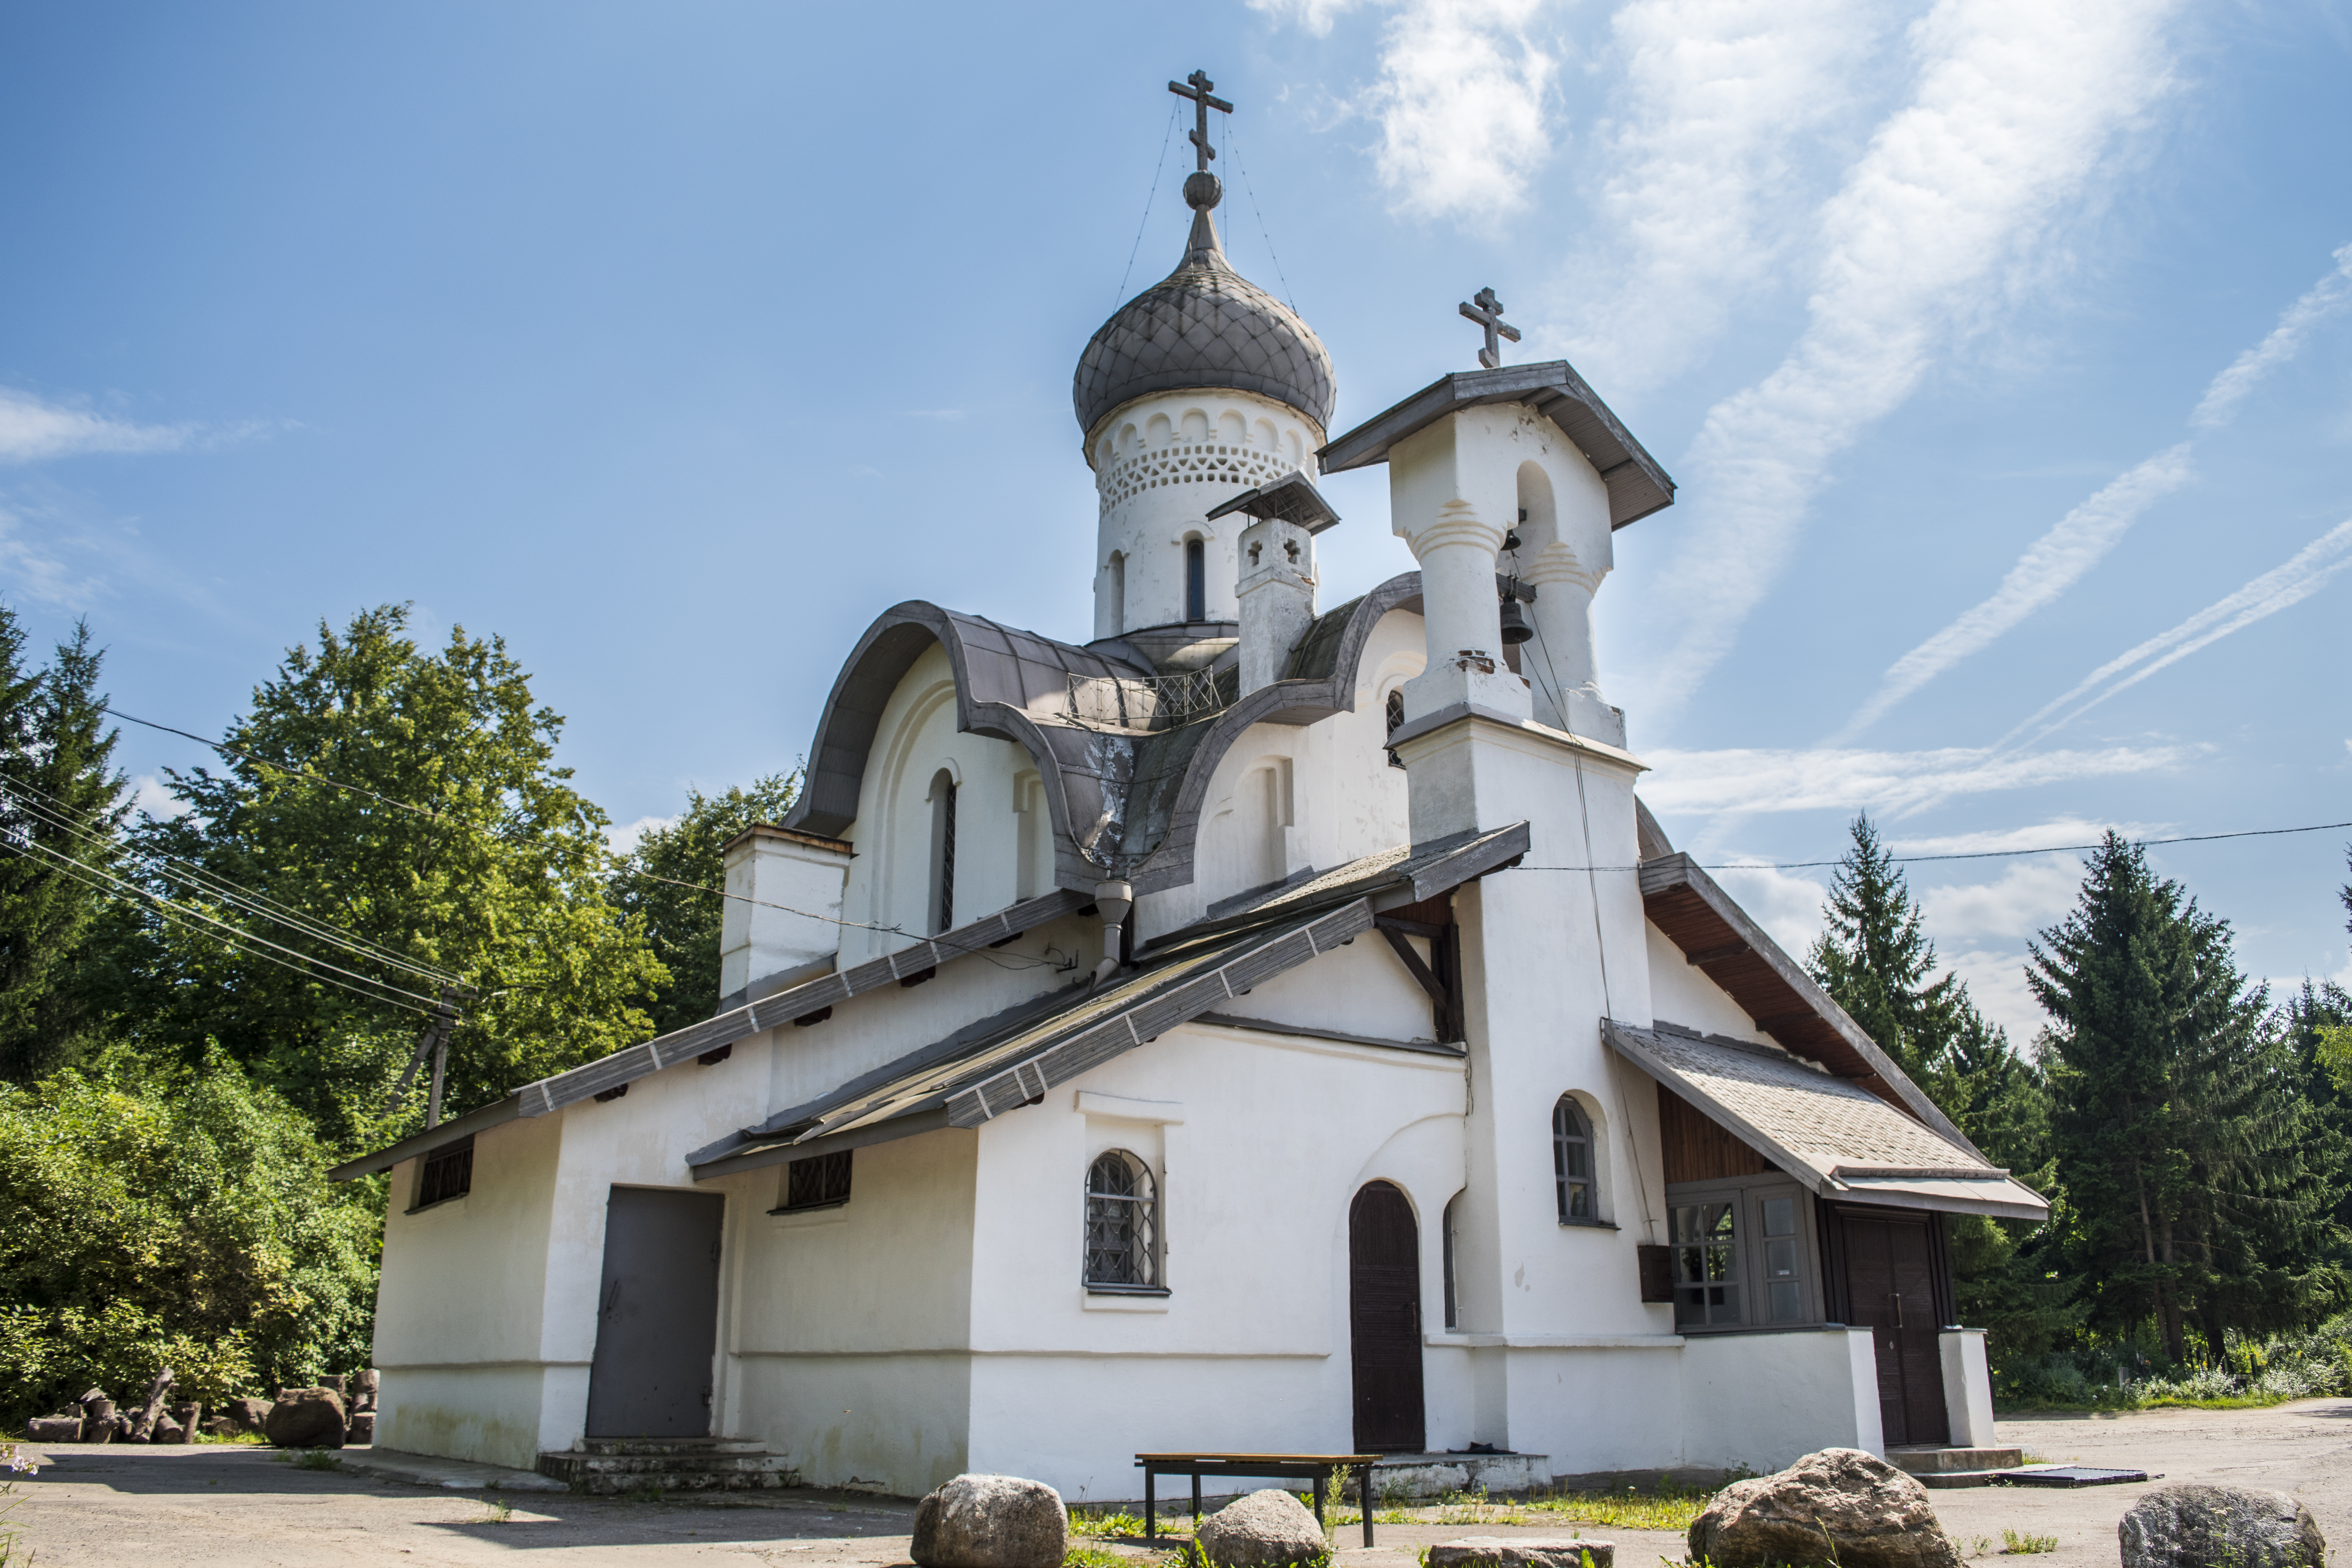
[(2020, 1546)]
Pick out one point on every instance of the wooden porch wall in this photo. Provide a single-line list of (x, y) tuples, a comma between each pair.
[(1697, 1150)]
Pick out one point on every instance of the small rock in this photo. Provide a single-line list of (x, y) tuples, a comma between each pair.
[(1261, 1530), (991, 1522), (250, 1414), (53, 1429), (362, 1432), (1839, 1504), (221, 1427), (2194, 1526), (305, 1418), (1494, 1552)]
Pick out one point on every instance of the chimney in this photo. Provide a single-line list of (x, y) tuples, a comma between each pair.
[(782, 922), (1278, 597)]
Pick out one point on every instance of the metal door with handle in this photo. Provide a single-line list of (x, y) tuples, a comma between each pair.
[(1384, 1320), (656, 1315), (1891, 1286)]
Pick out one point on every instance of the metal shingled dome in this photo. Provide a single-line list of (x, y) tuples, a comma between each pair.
[(1204, 325)]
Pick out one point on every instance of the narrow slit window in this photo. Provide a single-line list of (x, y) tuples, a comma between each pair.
[(819, 1182), (1396, 721), (1196, 580), (1571, 1161), (1123, 1224), (447, 1172), (944, 851), (1453, 1301)]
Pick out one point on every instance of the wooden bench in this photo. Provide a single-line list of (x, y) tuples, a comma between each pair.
[(1320, 1469)]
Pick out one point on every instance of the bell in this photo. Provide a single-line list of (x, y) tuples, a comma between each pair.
[(1515, 629)]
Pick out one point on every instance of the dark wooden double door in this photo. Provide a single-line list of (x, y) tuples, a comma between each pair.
[(1384, 1320), (1891, 1282)]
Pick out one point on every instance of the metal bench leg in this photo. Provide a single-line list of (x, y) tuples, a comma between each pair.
[(1196, 1502), (1364, 1496), (1151, 1519), (1322, 1478)]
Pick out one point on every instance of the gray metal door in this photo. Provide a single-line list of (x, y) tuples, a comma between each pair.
[(656, 1315)]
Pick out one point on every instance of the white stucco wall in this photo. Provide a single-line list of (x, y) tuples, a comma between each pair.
[(1764, 1399)]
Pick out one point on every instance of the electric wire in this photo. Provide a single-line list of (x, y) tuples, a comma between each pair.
[(229, 936), (1157, 170), (1967, 855), (229, 751), (210, 883), (1263, 233)]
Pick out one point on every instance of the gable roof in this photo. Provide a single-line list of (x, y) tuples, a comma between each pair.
[(1831, 1133), (1637, 485)]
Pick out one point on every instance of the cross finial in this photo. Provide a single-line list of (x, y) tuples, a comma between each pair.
[(1202, 104), (1489, 313)]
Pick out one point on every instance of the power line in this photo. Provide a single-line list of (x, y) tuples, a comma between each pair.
[(279, 767), (1157, 170), (1967, 855)]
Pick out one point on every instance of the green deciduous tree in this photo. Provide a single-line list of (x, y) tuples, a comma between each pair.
[(2193, 1194), (61, 806), (670, 882), (413, 799), (179, 1215)]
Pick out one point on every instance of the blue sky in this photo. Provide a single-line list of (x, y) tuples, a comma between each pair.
[(2002, 351)]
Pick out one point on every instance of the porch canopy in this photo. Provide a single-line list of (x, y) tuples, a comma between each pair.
[(1834, 1136)]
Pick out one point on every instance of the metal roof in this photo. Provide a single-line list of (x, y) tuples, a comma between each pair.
[(1637, 485), (1203, 325)]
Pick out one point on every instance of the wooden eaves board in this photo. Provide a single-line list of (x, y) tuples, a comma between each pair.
[(1718, 936)]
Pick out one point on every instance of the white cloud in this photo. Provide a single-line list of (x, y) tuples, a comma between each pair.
[(33, 568), (1314, 15), (1720, 96), (2027, 896), (2056, 833), (32, 431), (623, 837), (1461, 105), (2015, 105), (1785, 904), (151, 796), (2049, 567), (1823, 779), (1996, 982), (2322, 300), (2281, 587)]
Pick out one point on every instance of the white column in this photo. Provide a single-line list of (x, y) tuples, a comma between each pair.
[(1968, 1388), (1451, 500), (1278, 597)]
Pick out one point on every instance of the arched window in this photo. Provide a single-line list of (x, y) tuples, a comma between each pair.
[(1122, 1224), (943, 851), (1118, 592), (1394, 713), (1571, 1161), (1196, 580), (1453, 1298)]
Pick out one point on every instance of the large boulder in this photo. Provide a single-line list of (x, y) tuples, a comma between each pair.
[(2196, 1526), (991, 1522), (305, 1418), (1494, 1552), (1261, 1530), (1839, 1505)]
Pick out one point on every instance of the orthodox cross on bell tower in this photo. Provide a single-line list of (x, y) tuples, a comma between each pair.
[(1202, 104), (1489, 313)]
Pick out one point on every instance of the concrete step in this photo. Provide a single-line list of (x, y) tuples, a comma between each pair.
[(722, 1465), (1924, 1461), (671, 1446), (1415, 1477)]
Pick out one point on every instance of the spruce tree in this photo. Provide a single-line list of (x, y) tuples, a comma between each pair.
[(61, 805), (1876, 958), (2192, 1199)]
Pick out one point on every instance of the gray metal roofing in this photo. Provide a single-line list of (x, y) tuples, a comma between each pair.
[(1203, 325), (1637, 485), (1829, 1132)]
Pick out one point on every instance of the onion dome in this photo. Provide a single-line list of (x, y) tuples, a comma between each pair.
[(1204, 325)]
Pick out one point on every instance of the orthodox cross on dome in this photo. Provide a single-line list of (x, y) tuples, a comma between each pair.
[(1489, 313), (1202, 104)]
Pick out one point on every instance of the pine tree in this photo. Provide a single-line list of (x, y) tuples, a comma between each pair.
[(670, 882), (1876, 958), (60, 808), (2192, 1198)]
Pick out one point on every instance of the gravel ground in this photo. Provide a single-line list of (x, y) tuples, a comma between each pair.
[(239, 1506)]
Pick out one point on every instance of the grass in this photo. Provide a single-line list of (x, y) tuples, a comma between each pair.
[(314, 1460), (1114, 1521), (496, 1511), (2016, 1544), (1669, 1507)]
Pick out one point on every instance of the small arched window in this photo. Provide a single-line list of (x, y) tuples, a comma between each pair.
[(944, 851), (1118, 592), (1196, 580), (1122, 1224), (1395, 715), (1571, 1161), (1452, 1298)]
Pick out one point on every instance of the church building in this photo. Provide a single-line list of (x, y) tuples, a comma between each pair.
[(1264, 1026)]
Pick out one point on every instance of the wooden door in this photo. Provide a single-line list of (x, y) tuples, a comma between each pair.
[(1384, 1320), (657, 1315), (1890, 1291)]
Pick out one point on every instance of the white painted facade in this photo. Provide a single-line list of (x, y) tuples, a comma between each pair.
[(939, 1320)]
